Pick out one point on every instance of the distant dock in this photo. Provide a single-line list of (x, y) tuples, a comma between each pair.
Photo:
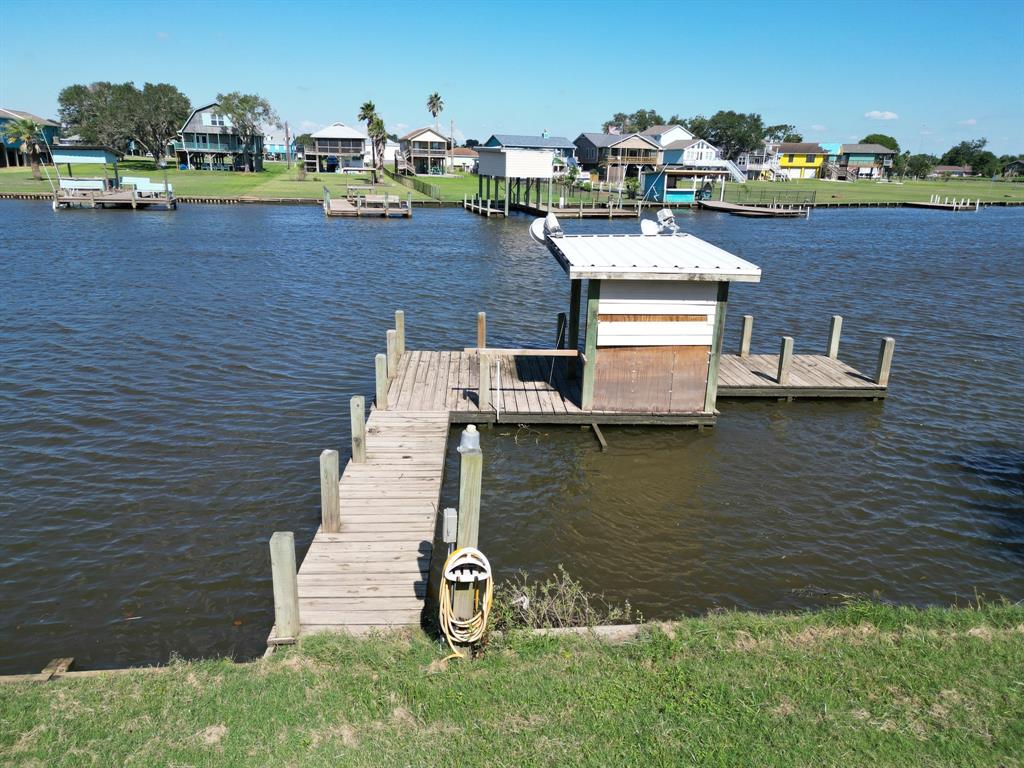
[(382, 205)]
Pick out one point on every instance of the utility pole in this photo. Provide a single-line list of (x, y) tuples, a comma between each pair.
[(287, 145), (451, 133)]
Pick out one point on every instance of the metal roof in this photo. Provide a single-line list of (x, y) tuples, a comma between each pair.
[(611, 139), (532, 142), (649, 257), (658, 130), (18, 114), (867, 149), (338, 131)]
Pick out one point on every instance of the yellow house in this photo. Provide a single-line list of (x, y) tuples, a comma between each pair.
[(801, 160)]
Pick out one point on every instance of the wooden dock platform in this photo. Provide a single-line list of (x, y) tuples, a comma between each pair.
[(486, 208), (112, 198), (756, 212), (954, 205), (810, 376), (629, 210), (384, 205)]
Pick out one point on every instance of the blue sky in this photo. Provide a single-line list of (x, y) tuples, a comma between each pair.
[(930, 74)]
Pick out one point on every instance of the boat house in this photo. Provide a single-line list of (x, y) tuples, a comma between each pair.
[(208, 140), (334, 149)]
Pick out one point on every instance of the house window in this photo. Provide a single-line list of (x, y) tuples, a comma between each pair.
[(216, 119), (791, 158), (810, 158)]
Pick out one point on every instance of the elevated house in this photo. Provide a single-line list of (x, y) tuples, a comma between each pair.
[(13, 155), (865, 161), (334, 149), (423, 151), (667, 134), (801, 160), (209, 140), (564, 151), (615, 157), (761, 164), (274, 146)]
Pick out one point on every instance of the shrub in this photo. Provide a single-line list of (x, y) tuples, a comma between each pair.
[(560, 601)]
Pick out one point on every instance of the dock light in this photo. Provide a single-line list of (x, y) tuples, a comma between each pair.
[(470, 440)]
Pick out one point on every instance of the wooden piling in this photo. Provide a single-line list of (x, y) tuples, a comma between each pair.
[(330, 504), (392, 356), (470, 482), (835, 328), (785, 358), (481, 329), (484, 391), (575, 289), (286, 588), (885, 351), (400, 332), (746, 333), (357, 415), (590, 349), (381, 370)]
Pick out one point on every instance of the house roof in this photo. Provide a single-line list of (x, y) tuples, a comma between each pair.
[(649, 257), (801, 148), (532, 142), (193, 113), (338, 131), (682, 144), (611, 139), (657, 130), (951, 168), (465, 152), (413, 134), (17, 114), (867, 149)]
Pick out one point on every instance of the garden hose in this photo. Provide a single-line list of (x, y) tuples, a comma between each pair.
[(465, 565)]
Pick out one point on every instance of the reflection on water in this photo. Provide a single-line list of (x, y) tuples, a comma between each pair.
[(167, 382)]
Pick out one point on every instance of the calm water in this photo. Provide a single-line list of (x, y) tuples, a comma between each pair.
[(167, 381)]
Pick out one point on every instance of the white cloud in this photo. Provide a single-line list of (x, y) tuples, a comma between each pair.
[(818, 127), (399, 128), (881, 114), (968, 121)]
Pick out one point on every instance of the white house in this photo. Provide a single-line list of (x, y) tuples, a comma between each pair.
[(464, 158), (667, 134), (336, 147)]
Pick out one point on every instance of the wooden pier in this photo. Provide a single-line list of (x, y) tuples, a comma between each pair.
[(113, 198), (384, 205), (947, 204), (482, 207)]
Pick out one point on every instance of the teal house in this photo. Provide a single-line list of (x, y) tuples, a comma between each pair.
[(13, 156)]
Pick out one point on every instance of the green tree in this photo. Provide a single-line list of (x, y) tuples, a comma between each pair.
[(435, 106), (367, 114), (964, 153), (781, 132), (883, 139), (101, 113), (160, 109), (639, 121), (919, 166), (247, 112), (304, 140), (731, 132), (29, 134), (378, 137)]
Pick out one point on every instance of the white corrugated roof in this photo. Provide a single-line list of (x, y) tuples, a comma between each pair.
[(649, 257), (338, 131)]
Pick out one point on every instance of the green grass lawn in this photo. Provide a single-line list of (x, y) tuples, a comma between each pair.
[(277, 180), (859, 685), (869, 191)]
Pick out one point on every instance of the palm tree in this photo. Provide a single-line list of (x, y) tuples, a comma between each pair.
[(378, 135), (26, 132), (435, 106), (368, 113)]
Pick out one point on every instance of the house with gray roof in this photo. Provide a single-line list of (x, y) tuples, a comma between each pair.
[(12, 154), (565, 150), (668, 134), (616, 156), (865, 161)]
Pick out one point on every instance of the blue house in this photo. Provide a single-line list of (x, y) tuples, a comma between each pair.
[(12, 155)]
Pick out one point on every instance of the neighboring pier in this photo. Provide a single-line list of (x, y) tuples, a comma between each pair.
[(355, 204)]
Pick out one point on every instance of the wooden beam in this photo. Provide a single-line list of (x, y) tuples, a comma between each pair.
[(484, 390), (574, 320), (835, 328), (400, 332), (711, 391), (357, 416), (286, 588), (330, 504), (521, 352), (481, 329), (785, 360), (747, 332), (381, 370), (392, 347), (884, 361), (590, 346)]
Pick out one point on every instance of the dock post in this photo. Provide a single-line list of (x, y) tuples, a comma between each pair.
[(481, 329), (381, 370), (506, 197), (330, 504), (785, 358), (884, 361), (286, 587), (392, 347), (470, 482), (574, 324), (483, 397), (357, 416), (835, 327), (400, 332), (711, 389), (590, 346), (748, 330)]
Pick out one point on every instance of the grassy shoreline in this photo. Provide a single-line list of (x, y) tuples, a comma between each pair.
[(857, 685)]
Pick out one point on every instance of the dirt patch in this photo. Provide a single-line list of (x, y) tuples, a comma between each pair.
[(26, 739), (342, 733), (744, 641), (212, 735), (784, 708), (403, 717), (982, 633)]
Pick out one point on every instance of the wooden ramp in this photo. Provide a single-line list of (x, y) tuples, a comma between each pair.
[(373, 573)]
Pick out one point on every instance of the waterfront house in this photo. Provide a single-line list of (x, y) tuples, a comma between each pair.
[(761, 163), (464, 158), (209, 140), (801, 160), (614, 156), (865, 161), (12, 155), (1014, 168), (564, 150), (335, 148), (955, 171), (423, 151), (274, 146), (667, 134)]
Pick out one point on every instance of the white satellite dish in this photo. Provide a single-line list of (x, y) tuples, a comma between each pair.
[(648, 227), (537, 230)]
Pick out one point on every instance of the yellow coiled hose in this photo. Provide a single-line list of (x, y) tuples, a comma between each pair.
[(471, 630)]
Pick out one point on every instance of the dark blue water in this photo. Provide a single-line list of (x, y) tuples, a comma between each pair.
[(167, 381)]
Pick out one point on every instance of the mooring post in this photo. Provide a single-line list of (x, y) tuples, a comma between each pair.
[(392, 356), (785, 358), (835, 328), (400, 332), (481, 329), (483, 397), (286, 587), (470, 481), (357, 415), (747, 332), (330, 505), (884, 361), (381, 370)]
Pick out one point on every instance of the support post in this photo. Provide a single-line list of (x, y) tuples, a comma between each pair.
[(574, 325), (286, 587), (470, 482), (835, 328), (711, 391), (506, 197), (483, 397), (381, 371), (392, 348), (587, 390), (884, 361), (481, 329), (330, 504), (357, 415), (748, 330), (400, 333), (785, 358)]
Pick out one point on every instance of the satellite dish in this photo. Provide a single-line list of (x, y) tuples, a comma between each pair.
[(537, 230), (648, 227)]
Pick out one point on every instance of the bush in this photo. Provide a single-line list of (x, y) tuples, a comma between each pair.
[(560, 601)]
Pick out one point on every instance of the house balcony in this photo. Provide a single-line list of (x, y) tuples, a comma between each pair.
[(424, 152), (644, 158), (209, 147)]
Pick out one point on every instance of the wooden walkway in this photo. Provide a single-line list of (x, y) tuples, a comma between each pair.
[(810, 376), (373, 573)]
